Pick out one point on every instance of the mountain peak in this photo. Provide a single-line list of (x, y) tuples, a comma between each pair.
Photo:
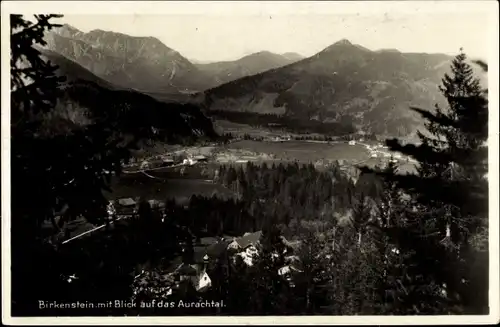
[(343, 42), (67, 30), (343, 45), (69, 27), (263, 53)]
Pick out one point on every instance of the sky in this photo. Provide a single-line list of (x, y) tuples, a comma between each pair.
[(207, 31)]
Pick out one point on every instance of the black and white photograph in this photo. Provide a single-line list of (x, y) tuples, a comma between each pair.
[(242, 160)]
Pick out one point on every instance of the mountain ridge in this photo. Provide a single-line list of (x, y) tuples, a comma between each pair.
[(86, 97), (344, 82), (252, 64), (142, 63)]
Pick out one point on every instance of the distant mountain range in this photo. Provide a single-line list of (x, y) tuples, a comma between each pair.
[(227, 71), (347, 83), (146, 64), (141, 63), (87, 98), (344, 84)]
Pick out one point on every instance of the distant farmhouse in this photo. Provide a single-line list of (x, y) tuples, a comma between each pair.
[(156, 204), (200, 158), (191, 161), (167, 162), (126, 206)]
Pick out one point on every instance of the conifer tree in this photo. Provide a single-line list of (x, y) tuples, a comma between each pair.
[(270, 295), (453, 158), (449, 193), (53, 169), (314, 283)]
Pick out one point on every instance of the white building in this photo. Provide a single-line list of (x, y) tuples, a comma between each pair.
[(189, 162), (195, 274), (246, 246), (233, 245), (201, 281), (287, 270), (111, 210), (247, 259)]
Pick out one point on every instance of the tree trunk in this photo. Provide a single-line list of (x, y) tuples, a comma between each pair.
[(54, 223)]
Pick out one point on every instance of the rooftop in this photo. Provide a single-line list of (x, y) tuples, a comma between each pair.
[(249, 239), (215, 250), (126, 202), (154, 203), (186, 270)]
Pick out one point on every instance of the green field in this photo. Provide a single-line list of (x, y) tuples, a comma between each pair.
[(304, 151)]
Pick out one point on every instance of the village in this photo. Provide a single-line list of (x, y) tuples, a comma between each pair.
[(194, 271), (192, 156), (192, 268)]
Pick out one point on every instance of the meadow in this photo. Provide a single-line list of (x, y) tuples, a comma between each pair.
[(304, 151)]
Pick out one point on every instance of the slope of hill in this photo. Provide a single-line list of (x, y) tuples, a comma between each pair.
[(344, 83), (293, 56), (142, 63), (88, 98), (227, 71), (71, 70)]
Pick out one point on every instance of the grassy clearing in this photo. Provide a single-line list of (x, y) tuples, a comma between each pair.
[(304, 151)]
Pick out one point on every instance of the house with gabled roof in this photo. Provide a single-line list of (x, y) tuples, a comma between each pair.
[(233, 245), (126, 206), (194, 274), (217, 249), (156, 204), (288, 269), (126, 202), (167, 162), (194, 271), (290, 246), (245, 246), (243, 242), (250, 239)]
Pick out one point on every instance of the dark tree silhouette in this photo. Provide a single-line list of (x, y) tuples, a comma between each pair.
[(449, 193), (63, 165)]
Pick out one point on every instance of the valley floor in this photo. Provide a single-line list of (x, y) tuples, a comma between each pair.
[(182, 181)]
